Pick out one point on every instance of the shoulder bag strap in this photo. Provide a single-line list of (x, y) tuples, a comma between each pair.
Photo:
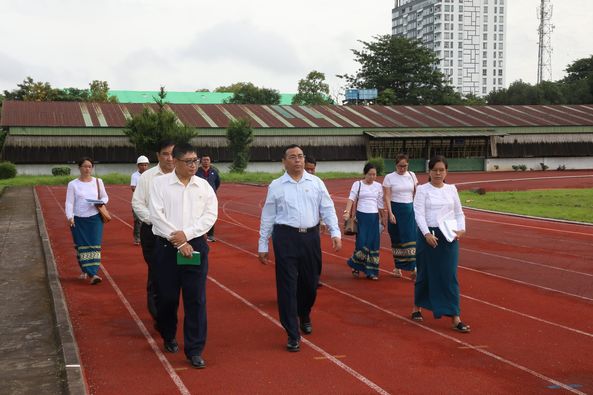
[(413, 183), (98, 189), (357, 195)]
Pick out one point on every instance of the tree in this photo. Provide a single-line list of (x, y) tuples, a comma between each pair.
[(247, 93), (580, 69), (147, 129), (30, 90), (312, 90), (240, 136), (99, 92), (403, 65)]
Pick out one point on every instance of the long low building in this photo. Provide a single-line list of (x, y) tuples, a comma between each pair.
[(472, 137)]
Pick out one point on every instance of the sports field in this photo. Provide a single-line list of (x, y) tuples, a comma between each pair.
[(526, 291)]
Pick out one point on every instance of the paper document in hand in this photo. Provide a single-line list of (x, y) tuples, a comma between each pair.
[(94, 201), (447, 225)]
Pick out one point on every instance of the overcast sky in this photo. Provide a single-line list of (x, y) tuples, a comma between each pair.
[(190, 44)]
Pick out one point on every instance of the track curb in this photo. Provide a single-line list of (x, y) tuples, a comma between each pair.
[(75, 381)]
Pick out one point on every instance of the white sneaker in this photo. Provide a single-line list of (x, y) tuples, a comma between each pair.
[(83, 276)]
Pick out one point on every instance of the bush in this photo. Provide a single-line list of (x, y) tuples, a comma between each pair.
[(561, 167), (60, 171), (519, 167), (379, 164), (7, 170), (543, 166)]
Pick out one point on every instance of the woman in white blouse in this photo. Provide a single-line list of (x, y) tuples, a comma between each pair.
[(368, 196), (438, 213), (82, 197), (399, 188)]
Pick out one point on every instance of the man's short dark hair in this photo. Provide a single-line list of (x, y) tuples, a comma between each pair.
[(181, 149), (290, 147), (207, 155), (310, 159), (164, 144)]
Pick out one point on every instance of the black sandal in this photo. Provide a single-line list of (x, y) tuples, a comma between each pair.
[(417, 316), (461, 327), (355, 273)]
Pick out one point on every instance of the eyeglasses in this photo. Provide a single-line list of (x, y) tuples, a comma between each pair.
[(402, 166), (295, 157), (191, 162)]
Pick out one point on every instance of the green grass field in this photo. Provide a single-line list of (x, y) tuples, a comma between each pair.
[(568, 204)]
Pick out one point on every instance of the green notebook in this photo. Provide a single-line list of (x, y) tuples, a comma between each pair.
[(195, 260)]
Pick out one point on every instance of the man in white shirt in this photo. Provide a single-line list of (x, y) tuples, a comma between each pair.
[(183, 207), (294, 205), (142, 163), (140, 201)]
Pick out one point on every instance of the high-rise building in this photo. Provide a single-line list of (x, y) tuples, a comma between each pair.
[(467, 36)]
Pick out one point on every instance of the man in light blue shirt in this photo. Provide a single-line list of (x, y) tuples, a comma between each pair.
[(294, 205)]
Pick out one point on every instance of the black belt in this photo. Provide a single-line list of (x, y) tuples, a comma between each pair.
[(299, 230)]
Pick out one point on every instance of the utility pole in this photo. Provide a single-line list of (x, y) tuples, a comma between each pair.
[(544, 55)]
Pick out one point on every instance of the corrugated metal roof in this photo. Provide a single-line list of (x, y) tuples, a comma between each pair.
[(184, 97), (204, 116), (432, 133)]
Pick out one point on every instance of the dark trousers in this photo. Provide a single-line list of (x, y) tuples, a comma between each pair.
[(147, 240), (137, 226), (298, 261), (210, 232), (171, 279)]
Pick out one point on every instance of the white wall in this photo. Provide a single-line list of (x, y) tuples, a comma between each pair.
[(129, 168), (534, 163)]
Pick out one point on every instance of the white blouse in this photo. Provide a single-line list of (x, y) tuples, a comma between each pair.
[(370, 198), (402, 186), (432, 203), (76, 195)]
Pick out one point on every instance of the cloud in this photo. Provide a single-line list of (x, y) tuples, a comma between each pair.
[(242, 42)]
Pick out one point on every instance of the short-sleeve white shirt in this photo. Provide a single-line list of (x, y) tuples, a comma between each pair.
[(402, 186), (370, 198)]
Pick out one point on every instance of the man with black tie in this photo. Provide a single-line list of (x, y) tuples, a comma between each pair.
[(291, 214)]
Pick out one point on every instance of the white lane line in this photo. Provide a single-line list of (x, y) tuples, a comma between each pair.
[(155, 348), (570, 232), (168, 368), (478, 349), (321, 351), (522, 179), (462, 295), (527, 262)]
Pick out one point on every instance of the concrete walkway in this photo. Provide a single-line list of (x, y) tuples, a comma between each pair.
[(37, 342)]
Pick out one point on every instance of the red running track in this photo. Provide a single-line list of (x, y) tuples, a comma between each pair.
[(527, 291)]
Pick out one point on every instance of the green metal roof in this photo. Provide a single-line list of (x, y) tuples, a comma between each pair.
[(184, 97)]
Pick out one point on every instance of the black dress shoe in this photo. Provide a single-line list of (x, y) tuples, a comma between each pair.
[(171, 346), (306, 328), (197, 362), (293, 345)]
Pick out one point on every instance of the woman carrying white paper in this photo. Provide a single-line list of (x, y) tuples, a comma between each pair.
[(437, 288), (86, 226)]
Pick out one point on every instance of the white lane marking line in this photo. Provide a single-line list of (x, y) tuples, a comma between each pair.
[(478, 349), (571, 232), (522, 179), (176, 379), (168, 368), (527, 262), (321, 351), (460, 266), (530, 316), (462, 295), (525, 283), (462, 343), (73, 366)]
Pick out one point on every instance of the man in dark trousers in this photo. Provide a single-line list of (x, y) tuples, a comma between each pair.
[(182, 209), (140, 201), (291, 214), (210, 174)]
